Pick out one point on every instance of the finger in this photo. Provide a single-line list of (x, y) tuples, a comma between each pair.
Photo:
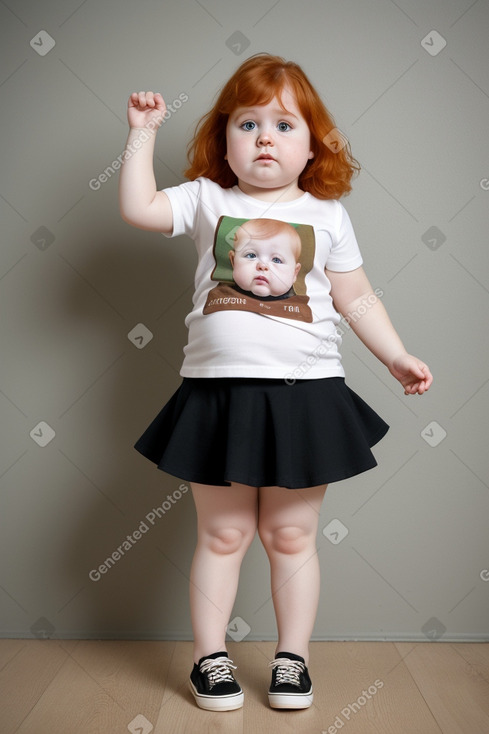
[(425, 383), (159, 101), (133, 100), (142, 100), (412, 389), (422, 387), (429, 379), (419, 370)]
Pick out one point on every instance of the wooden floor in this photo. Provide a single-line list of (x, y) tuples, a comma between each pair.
[(91, 687)]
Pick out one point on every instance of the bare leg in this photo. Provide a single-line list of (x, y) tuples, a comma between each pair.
[(226, 524), (288, 523)]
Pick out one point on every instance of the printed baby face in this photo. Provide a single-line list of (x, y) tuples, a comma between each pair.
[(265, 267)]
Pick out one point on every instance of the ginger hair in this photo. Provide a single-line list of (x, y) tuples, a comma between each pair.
[(262, 229), (256, 82)]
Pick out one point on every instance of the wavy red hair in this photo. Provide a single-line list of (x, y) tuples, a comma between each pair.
[(257, 81)]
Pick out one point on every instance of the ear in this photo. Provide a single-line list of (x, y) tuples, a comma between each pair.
[(231, 257), (311, 155)]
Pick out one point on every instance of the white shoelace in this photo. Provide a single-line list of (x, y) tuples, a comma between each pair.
[(288, 671), (218, 670)]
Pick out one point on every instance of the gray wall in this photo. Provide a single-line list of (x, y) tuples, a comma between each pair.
[(75, 280)]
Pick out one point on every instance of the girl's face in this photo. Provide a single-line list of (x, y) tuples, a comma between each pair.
[(268, 148)]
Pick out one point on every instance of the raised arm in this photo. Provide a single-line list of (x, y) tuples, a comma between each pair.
[(356, 301), (140, 203)]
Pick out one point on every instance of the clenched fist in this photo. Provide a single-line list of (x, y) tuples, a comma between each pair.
[(145, 109)]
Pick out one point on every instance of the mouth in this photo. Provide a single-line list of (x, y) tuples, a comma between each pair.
[(265, 157), (261, 280)]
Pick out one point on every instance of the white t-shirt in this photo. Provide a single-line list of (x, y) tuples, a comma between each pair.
[(236, 333)]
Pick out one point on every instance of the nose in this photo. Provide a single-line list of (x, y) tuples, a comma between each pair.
[(261, 265), (265, 137)]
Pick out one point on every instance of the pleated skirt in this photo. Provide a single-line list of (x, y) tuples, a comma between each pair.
[(263, 432)]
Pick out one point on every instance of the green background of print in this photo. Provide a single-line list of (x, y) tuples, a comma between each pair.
[(223, 243)]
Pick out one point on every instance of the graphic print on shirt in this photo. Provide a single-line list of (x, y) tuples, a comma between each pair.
[(260, 266)]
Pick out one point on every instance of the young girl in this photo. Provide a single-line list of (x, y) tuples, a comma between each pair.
[(263, 419)]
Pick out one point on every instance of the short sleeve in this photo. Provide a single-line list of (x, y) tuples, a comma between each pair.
[(184, 200), (345, 253)]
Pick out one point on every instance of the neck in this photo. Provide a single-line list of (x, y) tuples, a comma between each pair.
[(276, 195)]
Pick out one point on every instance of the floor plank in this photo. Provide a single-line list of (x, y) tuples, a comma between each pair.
[(93, 687), (99, 687), (27, 675), (367, 687), (458, 698)]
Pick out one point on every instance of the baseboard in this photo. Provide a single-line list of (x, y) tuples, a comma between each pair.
[(184, 637)]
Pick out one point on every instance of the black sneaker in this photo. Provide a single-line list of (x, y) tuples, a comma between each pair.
[(291, 687), (213, 684)]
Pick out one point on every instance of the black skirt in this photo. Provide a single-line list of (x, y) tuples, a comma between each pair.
[(263, 432)]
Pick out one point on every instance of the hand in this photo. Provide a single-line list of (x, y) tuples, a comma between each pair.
[(414, 375), (144, 108)]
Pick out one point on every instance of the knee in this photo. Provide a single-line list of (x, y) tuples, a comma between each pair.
[(289, 539), (226, 541)]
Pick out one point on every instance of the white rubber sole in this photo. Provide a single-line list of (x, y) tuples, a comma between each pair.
[(290, 700), (217, 703)]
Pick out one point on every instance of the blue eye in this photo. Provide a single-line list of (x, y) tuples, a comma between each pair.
[(250, 255), (248, 125), (284, 127), (277, 260)]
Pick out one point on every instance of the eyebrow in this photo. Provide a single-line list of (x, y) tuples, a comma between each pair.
[(251, 111)]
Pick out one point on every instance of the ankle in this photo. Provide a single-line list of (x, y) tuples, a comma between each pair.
[(205, 652)]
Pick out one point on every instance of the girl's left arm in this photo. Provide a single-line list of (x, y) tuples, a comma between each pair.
[(372, 325)]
